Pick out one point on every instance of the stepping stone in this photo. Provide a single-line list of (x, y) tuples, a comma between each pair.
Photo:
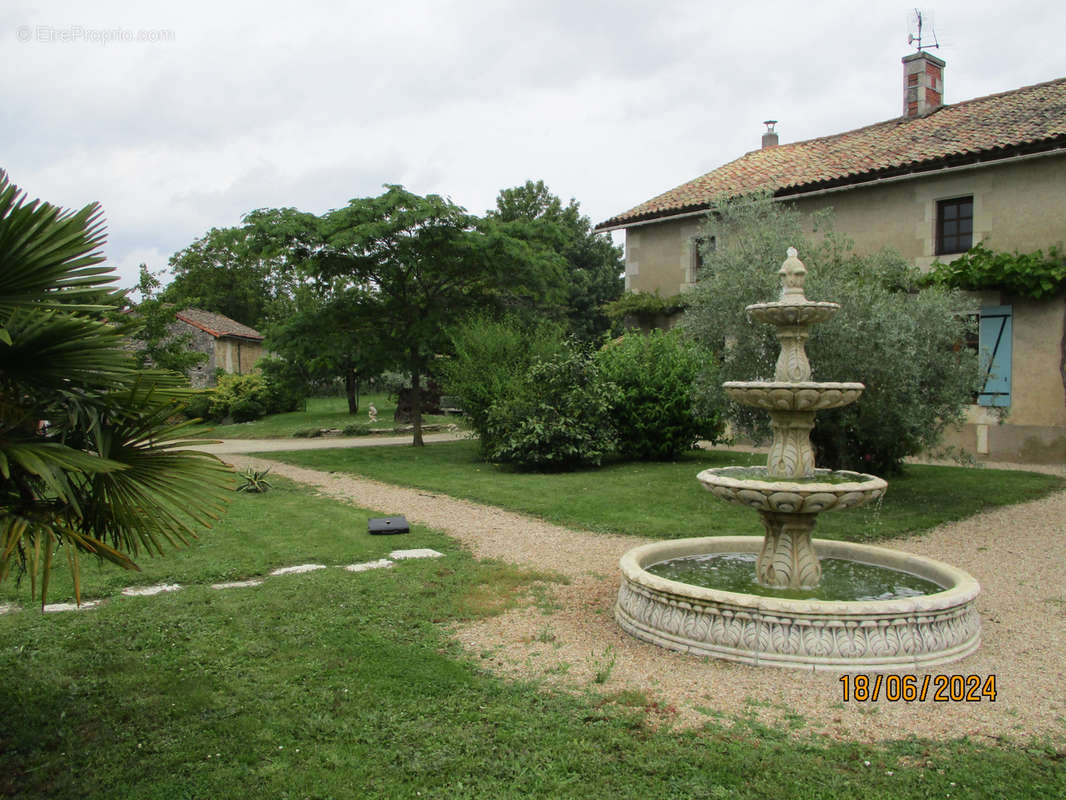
[(294, 570), (237, 584), (419, 553), (148, 591), (85, 606), (381, 563)]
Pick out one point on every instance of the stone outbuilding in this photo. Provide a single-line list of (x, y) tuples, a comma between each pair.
[(229, 345)]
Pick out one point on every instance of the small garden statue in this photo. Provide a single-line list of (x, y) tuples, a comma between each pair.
[(373, 413)]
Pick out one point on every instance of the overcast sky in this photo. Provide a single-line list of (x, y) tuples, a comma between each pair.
[(182, 118)]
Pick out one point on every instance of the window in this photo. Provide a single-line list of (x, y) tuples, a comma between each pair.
[(700, 246), (954, 225)]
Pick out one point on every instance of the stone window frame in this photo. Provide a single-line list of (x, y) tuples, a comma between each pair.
[(696, 255), (955, 241)]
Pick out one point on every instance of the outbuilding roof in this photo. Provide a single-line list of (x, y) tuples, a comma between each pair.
[(218, 325), (1027, 120)]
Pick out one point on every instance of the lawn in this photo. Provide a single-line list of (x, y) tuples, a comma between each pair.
[(320, 413), (665, 501), (331, 684)]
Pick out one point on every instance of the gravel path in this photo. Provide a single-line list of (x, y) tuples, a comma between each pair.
[(1017, 555)]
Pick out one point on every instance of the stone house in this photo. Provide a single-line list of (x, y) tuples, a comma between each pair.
[(930, 184), (229, 345)]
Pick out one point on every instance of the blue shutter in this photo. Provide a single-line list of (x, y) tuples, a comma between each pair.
[(995, 348)]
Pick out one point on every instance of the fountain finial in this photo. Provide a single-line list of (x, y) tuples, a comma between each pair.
[(792, 273)]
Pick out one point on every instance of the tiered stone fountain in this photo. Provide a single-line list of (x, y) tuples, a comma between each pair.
[(907, 631)]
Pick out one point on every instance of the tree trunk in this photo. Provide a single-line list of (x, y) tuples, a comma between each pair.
[(416, 408), (351, 389)]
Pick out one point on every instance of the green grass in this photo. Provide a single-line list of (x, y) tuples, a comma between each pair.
[(665, 501), (334, 685), (321, 413)]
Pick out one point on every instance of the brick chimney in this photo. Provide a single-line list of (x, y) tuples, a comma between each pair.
[(923, 84), (769, 139)]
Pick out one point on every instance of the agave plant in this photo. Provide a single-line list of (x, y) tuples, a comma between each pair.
[(89, 460), (253, 481)]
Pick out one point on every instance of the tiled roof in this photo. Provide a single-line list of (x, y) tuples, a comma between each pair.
[(1029, 119), (218, 325)]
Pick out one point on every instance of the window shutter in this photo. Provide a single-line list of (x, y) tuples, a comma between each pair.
[(995, 349)]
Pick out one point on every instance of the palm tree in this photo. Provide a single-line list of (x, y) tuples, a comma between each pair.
[(90, 461)]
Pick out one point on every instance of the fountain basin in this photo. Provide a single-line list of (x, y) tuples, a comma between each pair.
[(796, 312), (793, 396), (826, 490), (872, 635)]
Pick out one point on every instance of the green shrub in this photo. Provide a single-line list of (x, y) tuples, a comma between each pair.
[(247, 392), (247, 409), (358, 429), (248, 397), (491, 362), (198, 406), (652, 405), (556, 417), (288, 384)]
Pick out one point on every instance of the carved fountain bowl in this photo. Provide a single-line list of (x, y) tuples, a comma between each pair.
[(807, 312), (873, 635), (827, 490), (793, 396)]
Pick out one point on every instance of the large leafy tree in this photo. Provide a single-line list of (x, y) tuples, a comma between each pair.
[(245, 272), (329, 339), (590, 266), (89, 461), (411, 265)]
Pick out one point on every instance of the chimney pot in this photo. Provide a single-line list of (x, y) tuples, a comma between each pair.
[(769, 139)]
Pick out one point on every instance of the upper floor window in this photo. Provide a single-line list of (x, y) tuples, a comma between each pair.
[(701, 245), (954, 225)]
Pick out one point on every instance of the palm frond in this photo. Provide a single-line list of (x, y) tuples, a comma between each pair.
[(51, 350), (183, 488), (48, 256)]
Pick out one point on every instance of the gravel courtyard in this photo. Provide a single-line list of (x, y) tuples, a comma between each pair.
[(1015, 553)]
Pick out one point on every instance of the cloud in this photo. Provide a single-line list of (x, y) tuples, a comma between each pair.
[(309, 105)]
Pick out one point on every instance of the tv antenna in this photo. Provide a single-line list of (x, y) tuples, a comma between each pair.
[(916, 21)]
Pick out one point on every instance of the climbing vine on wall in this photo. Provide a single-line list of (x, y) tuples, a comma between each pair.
[(645, 307), (1033, 275)]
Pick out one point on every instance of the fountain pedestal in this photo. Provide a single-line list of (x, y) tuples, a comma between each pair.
[(787, 559)]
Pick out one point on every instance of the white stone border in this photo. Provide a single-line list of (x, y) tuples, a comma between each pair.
[(906, 633)]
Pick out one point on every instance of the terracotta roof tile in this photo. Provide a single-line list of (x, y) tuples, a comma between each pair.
[(1028, 119), (218, 325)]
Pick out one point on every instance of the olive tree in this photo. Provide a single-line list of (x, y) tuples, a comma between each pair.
[(904, 344)]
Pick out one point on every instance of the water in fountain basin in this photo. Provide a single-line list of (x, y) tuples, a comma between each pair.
[(822, 476), (841, 579)]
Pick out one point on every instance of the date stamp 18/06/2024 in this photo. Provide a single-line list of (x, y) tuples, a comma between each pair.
[(862, 688)]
